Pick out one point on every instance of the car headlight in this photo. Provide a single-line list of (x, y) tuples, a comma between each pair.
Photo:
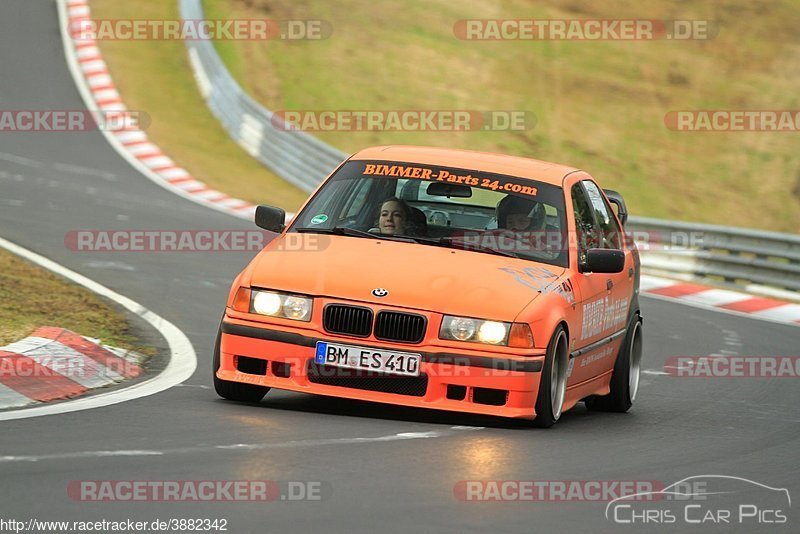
[(276, 304), (475, 330)]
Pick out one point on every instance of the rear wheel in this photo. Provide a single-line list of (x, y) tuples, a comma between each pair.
[(234, 391), (553, 384), (625, 378)]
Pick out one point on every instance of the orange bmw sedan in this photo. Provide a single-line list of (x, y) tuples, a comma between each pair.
[(443, 279)]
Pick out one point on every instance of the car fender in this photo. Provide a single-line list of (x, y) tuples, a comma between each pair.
[(243, 279), (546, 312)]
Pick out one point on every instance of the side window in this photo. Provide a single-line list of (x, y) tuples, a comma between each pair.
[(585, 225), (609, 234)]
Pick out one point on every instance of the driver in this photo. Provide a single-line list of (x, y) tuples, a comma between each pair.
[(521, 215)]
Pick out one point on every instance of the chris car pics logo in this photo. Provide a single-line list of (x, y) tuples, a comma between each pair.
[(705, 500)]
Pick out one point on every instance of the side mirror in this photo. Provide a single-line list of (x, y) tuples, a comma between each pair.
[(604, 260), (615, 198), (270, 218)]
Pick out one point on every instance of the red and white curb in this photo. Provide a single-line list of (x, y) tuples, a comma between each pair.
[(181, 364), (54, 363), (723, 300), (99, 92)]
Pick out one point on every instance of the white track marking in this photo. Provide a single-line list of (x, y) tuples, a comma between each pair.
[(113, 265), (200, 74), (654, 372), (95, 80), (63, 167), (77, 455), (77, 169), (787, 312), (648, 283), (144, 148), (182, 361), (131, 136), (771, 292), (715, 297), (401, 436), (177, 172), (19, 160)]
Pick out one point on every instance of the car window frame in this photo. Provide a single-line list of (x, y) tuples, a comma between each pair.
[(581, 252), (616, 231)]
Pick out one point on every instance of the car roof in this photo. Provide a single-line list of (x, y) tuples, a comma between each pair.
[(543, 171)]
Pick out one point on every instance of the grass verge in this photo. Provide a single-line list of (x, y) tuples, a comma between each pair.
[(155, 77), (600, 105), (28, 295)]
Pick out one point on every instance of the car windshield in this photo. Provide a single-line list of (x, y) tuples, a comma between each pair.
[(441, 206)]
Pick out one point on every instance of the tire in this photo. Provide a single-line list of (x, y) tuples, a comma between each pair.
[(234, 391), (625, 377), (553, 384)]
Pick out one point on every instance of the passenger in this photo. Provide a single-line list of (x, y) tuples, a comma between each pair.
[(393, 216)]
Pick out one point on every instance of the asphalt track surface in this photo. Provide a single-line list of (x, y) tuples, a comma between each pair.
[(51, 183)]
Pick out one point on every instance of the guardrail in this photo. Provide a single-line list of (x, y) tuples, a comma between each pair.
[(295, 156), (674, 248), (731, 255)]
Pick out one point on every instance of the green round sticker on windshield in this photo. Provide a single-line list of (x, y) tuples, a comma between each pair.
[(319, 219)]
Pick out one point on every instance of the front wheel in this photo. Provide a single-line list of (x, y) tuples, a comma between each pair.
[(625, 378), (553, 384), (234, 391)]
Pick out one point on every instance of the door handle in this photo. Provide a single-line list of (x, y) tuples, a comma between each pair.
[(609, 284)]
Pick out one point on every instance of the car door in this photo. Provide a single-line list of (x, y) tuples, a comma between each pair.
[(603, 297), (613, 237)]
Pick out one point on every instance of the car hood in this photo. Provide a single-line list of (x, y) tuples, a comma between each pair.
[(423, 277)]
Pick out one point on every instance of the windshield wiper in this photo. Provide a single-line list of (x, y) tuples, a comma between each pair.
[(336, 230), (352, 232), (435, 241), (448, 241)]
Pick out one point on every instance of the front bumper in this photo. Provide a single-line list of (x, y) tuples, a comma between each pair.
[(467, 381)]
